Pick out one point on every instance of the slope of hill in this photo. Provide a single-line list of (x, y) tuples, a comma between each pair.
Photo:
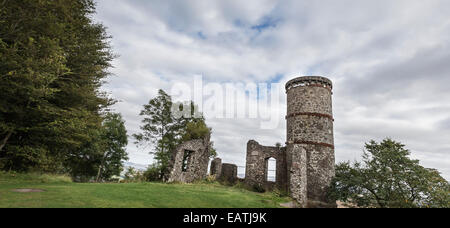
[(25, 191)]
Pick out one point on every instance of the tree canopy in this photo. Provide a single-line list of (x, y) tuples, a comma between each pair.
[(53, 60), (387, 177)]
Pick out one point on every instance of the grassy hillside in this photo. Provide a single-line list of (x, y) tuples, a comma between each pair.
[(59, 191)]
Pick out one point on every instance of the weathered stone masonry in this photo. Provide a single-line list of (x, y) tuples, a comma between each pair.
[(190, 161), (228, 174), (310, 141), (216, 167), (305, 166), (257, 165)]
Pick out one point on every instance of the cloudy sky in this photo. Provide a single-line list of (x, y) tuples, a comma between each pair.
[(389, 61)]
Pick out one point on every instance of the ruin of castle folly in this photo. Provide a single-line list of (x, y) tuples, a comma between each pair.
[(310, 154)]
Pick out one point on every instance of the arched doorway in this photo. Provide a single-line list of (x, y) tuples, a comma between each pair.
[(271, 170)]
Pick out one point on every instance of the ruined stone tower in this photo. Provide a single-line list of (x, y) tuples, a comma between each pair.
[(305, 167), (310, 155)]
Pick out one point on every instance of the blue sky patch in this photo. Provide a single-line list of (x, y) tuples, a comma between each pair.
[(266, 23)]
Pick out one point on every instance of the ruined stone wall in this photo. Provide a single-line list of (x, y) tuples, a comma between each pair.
[(310, 138), (257, 165), (216, 167), (296, 161), (197, 163), (229, 173), (321, 171)]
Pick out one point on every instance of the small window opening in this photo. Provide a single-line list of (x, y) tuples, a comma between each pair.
[(271, 170), (213, 168), (186, 160)]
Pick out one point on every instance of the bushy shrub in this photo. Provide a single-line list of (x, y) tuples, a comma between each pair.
[(210, 179), (153, 174)]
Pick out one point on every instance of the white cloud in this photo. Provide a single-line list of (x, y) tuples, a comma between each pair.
[(388, 60)]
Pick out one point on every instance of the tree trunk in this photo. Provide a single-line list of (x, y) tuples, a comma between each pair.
[(98, 173), (5, 140), (100, 168)]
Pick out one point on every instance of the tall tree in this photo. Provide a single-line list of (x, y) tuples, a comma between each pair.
[(53, 61), (115, 138), (159, 129), (389, 178), (30, 61)]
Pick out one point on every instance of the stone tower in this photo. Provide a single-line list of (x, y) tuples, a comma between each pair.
[(310, 155)]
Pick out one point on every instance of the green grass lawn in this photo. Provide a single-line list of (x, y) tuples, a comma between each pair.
[(60, 192)]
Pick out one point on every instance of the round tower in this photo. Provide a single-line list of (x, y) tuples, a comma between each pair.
[(310, 142)]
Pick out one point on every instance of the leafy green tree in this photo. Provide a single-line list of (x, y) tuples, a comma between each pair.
[(388, 178), (115, 140), (197, 129), (30, 61), (159, 129), (53, 61), (164, 131)]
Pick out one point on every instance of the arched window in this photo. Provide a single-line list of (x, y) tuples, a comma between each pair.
[(271, 172)]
